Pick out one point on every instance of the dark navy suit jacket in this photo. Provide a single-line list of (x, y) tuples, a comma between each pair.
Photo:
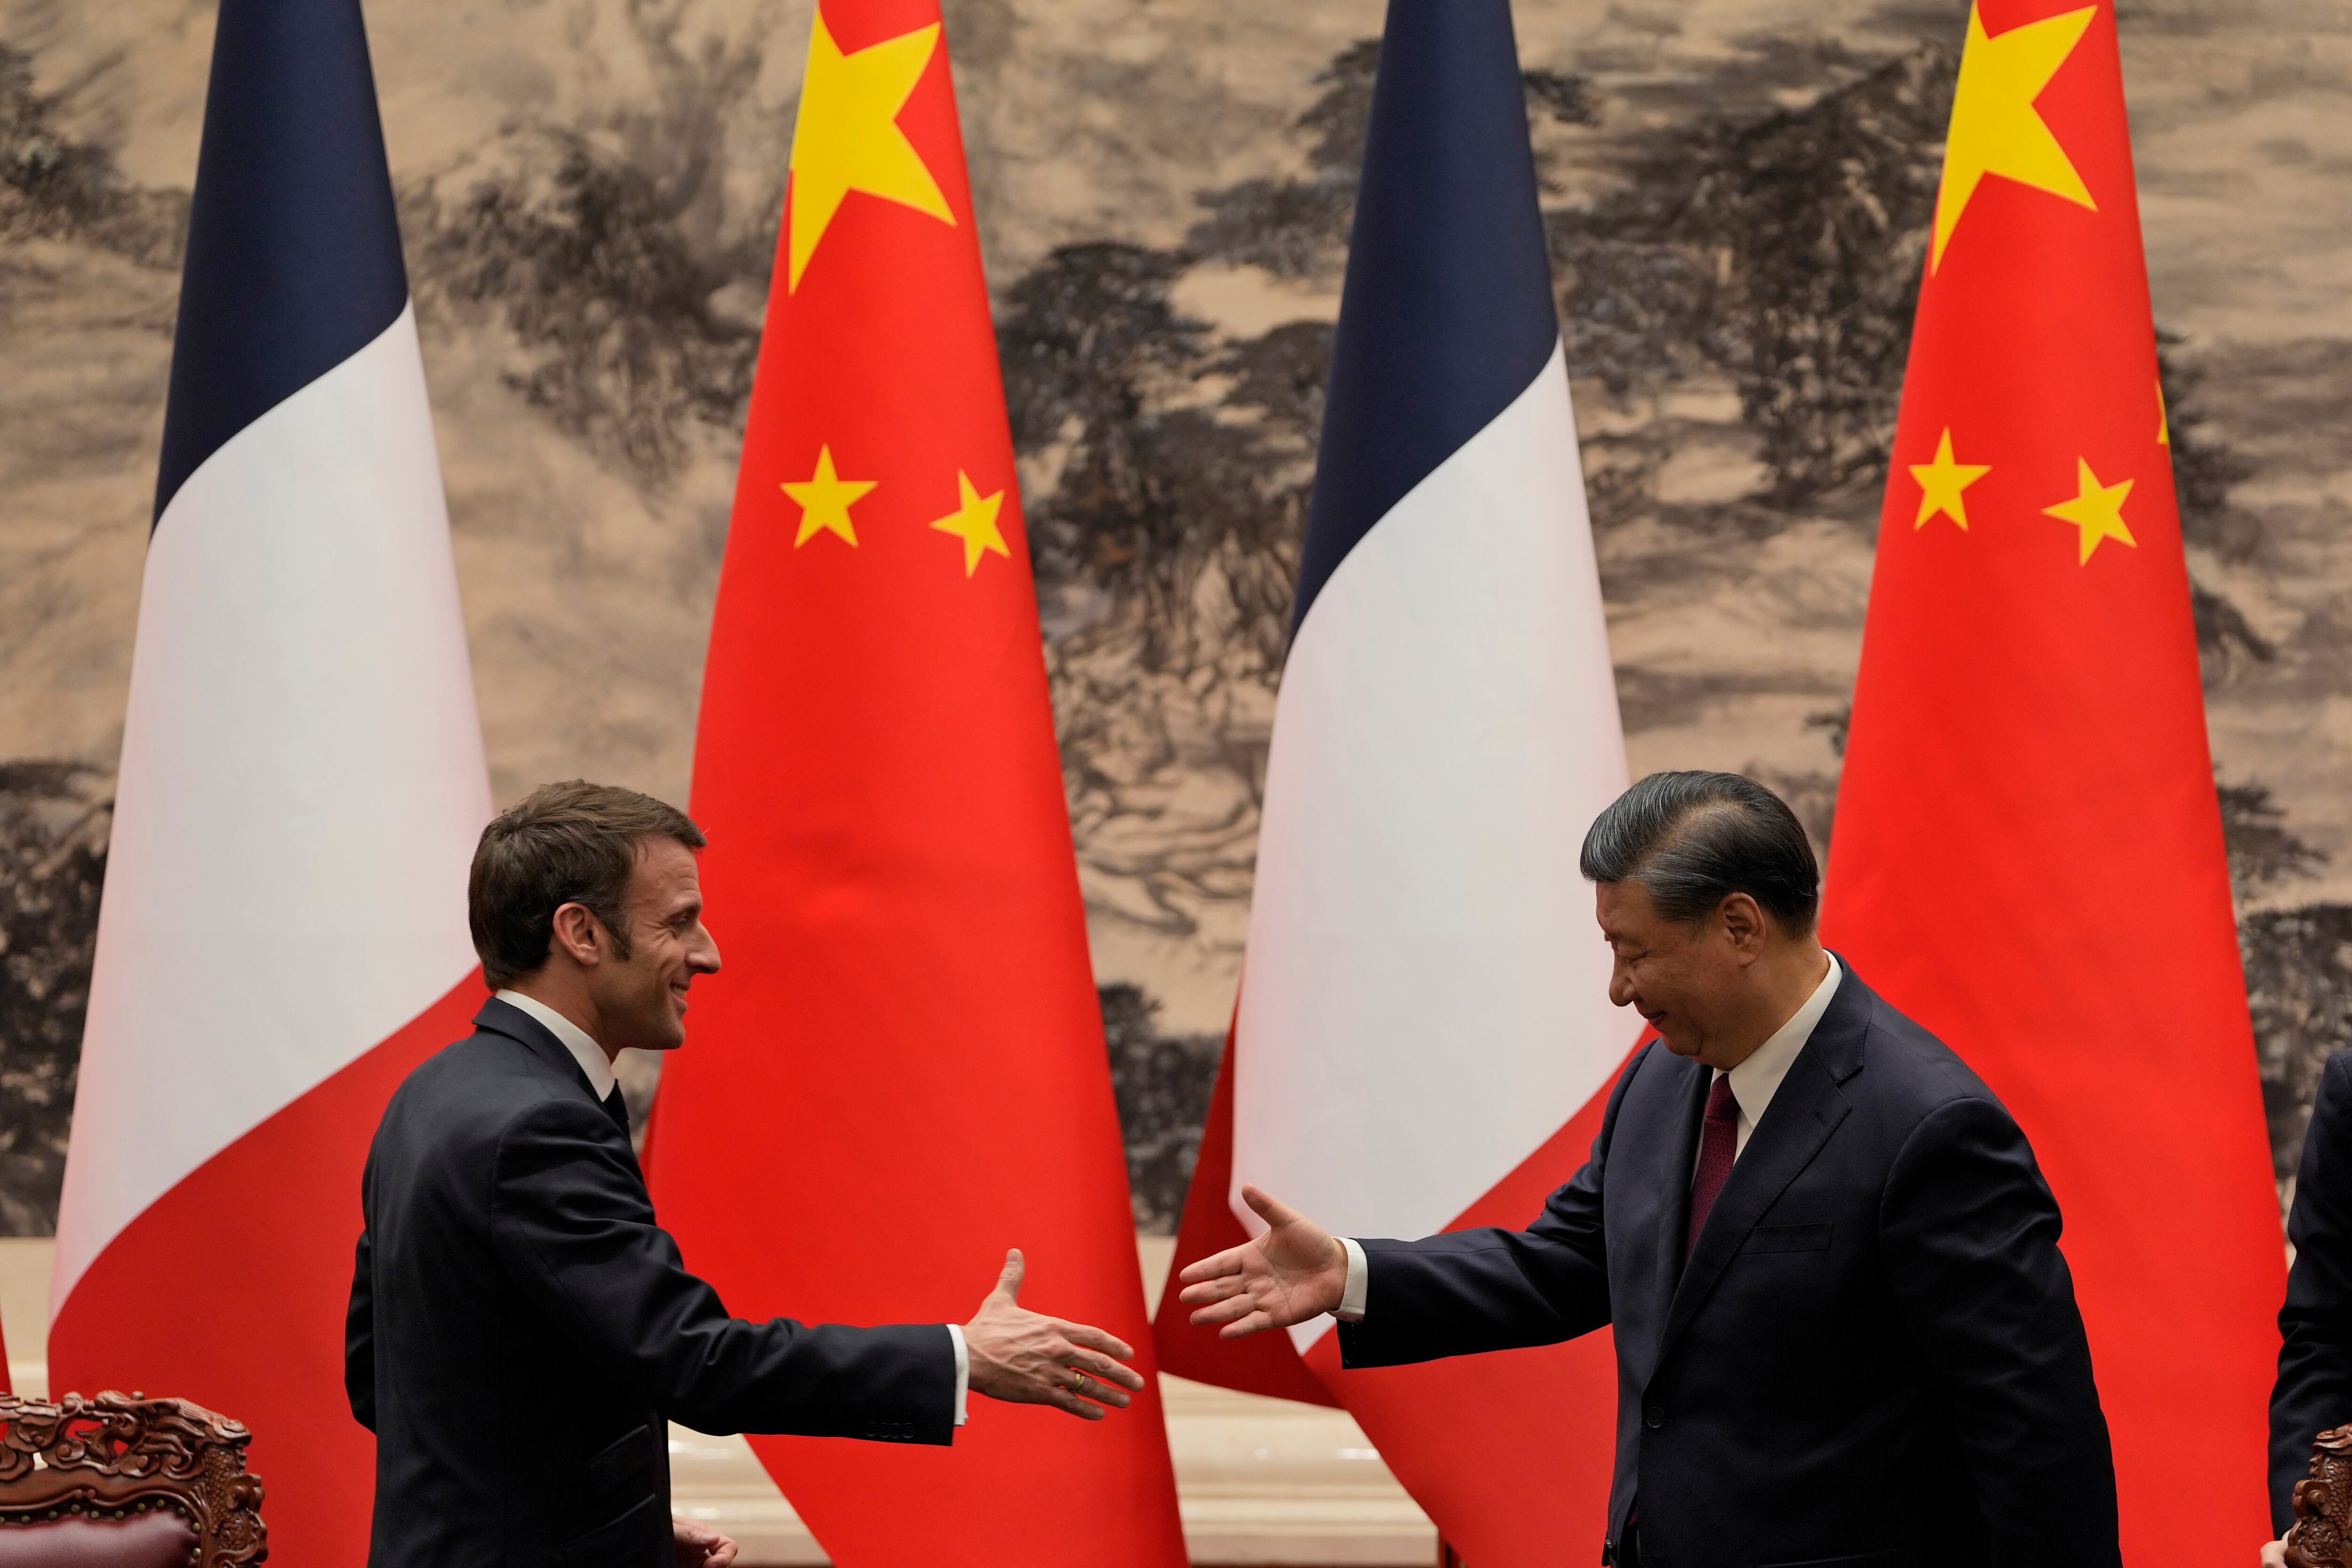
[(1874, 1357), (2314, 1390), (520, 1328)]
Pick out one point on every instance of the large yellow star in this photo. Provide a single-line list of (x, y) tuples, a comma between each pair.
[(1941, 482), (974, 521), (1995, 128), (825, 499), (2097, 510), (847, 137)]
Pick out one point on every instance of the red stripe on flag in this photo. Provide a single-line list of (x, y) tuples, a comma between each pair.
[(1262, 1363), (230, 1290), (1473, 1438), (1511, 1453)]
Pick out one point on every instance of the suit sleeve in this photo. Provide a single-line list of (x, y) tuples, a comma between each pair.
[(570, 1223), (1969, 1233), (358, 1336), (1464, 1291), (2314, 1390)]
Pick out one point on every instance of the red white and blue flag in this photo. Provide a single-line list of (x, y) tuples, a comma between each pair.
[(283, 931), (1423, 1035)]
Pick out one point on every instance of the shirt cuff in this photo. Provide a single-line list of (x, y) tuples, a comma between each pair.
[(1360, 1281), (964, 1369)]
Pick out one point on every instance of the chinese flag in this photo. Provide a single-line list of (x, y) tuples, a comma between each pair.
[(2028, 853), (901, 1072)]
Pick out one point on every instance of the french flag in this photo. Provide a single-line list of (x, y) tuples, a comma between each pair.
[(283, 931), (1424, 1036)]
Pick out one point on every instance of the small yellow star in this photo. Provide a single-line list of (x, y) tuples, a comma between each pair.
[(974, 521), (1941, 482), (2163, 416), (825, 499), (2097, 510), (1996, 129), (846, 137)]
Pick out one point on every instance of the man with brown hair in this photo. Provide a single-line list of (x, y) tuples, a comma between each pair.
[(521, 1326)]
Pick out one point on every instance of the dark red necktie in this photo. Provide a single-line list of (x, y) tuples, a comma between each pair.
[(1718, 1144)]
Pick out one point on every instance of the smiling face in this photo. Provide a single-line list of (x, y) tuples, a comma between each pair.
[(1690, 980), (640, 1000)]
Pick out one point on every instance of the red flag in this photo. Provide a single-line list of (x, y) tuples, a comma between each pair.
[(901, 1072), (2027, 855)]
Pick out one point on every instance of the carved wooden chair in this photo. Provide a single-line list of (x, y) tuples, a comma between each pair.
[(2322, 1506), (122, 1482)]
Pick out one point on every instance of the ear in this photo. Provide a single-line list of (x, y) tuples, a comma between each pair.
[(577, 935), (1743, 924)]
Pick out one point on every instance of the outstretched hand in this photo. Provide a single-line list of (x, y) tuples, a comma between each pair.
[(697, 1546), (1027, 1358), (1293, 1272)]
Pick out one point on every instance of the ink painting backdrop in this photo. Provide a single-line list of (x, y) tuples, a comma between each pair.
[(1738, 193)]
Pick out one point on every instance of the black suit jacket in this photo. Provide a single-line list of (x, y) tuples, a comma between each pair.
[(2314, 1390), (1874, 1357), (520, 1327)]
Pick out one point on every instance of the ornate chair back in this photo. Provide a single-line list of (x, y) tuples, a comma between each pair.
[(119, 1481), (2322, 1535)]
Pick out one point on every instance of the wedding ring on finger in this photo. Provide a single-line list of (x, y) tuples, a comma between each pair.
[(1078, 1381)]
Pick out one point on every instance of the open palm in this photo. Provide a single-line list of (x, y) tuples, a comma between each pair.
[(1291, 1272)]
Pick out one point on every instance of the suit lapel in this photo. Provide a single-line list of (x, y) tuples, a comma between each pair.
[(505, 1018), (1683, 1159), (1804, 1114)]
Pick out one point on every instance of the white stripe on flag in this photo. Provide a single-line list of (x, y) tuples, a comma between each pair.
[(302, 782), (1425, 1001)]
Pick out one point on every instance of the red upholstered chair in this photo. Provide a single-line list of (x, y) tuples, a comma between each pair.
[(122, 1482)]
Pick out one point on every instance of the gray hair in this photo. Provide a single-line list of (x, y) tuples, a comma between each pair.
[(1694, 839)]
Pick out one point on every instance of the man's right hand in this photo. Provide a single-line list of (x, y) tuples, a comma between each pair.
[(1027, 1358), (1293, 1272), (2275, 1553)]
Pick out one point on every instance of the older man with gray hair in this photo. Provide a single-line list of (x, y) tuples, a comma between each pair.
[(1845, 1332)]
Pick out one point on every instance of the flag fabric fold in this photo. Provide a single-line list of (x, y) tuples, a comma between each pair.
[(1424, 1036), (283, 928), (900, 1072), (2027, 855)]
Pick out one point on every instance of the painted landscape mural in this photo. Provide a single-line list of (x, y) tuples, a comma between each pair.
[(1737, 194)]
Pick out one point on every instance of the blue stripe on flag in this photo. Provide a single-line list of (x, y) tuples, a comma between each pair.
[(1447, 312), (293, 258)]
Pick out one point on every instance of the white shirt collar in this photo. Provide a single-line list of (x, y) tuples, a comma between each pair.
[(585, 1051), (1754, 1081)]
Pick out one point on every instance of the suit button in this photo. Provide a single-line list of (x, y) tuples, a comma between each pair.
[(1654, 1417)]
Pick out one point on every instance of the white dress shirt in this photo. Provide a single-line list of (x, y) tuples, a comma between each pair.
[(1754, 1082), (575, 1039), (599, 1067)]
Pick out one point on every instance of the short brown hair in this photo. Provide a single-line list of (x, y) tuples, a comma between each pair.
[(571, 843)]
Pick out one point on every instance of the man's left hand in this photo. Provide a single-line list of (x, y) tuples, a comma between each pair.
[(698, 1545)]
